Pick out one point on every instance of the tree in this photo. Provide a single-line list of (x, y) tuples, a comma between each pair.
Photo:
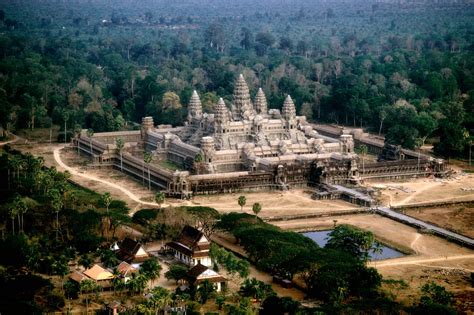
[(247, 38), (160, 198), (21, 207), (137, 283), (242, 201), (352, 241), (160, 298), (117, 280), (151, 269), (56, 204), (176, 272), (256, 289), (90, 134), (256, 208), (106, 199), (215, 36), (77, 134), (119, 143), (204, 290), (65, 116), (362, 150), (204, 218), (108, 258), (86, 261), (147, 157), (87, 286), (171, 102)]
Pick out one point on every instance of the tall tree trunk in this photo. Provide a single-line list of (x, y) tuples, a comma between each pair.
[(380, 128), (57, 225), (13, 225)]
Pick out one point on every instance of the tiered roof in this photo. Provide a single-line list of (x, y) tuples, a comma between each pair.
[(195, 106), (289, 110), (242, 105), (221, 112), (261, 102)]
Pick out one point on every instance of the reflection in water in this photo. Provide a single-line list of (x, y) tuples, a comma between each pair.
[(321, 238)]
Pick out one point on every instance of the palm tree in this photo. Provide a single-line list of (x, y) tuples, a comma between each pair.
[(13, 214), (147, 157), (119, 143), (151, 269), (56, 204), (242, 201), (160, 198), (362, 151), (65, 115), (160, 298), (77, 133), (117, 281), (106, 200), (87, 286), (256, 208), (90, 133), (204, 290), (21, 207), (137, 283)]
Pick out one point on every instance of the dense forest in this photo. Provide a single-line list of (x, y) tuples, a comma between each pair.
[(402, 70)]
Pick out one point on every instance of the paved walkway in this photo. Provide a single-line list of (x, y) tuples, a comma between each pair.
[(385, 211)]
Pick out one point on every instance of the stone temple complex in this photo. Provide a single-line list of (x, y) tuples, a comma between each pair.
[(247, 146)]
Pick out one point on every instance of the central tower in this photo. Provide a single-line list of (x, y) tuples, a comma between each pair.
[(242, 108)]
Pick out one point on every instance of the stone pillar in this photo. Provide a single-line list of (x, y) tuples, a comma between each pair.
[(147, 124)]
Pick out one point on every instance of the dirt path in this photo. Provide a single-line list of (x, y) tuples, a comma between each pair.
[(395, 262), (425, 187), (15, 139), (73, 171)]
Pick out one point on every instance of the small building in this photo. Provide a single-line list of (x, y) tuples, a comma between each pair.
[(126, 270), (77, 276), (98, 273), (191, 248), (200, 273), (132, 252)]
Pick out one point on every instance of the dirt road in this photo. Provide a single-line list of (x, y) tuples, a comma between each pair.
[(73, 171)]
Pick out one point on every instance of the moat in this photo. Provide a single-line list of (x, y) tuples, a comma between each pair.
[(321, 238)]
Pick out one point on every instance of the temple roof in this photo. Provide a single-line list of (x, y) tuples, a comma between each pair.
[(289, 110), (195, 106), (261, 102), (241, 103), (221, 112)]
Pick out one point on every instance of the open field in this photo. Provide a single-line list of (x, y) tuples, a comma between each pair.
[(431, 258), (458, 187), (459, 219)]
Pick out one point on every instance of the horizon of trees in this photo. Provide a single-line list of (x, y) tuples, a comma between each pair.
[(401, 70)]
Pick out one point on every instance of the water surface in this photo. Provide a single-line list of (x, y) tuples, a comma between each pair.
[(321, 238)]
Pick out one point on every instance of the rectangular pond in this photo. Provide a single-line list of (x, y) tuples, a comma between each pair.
[(321, 238)]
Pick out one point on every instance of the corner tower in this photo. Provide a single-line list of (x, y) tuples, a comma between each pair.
[(194, 108), (221, 116)]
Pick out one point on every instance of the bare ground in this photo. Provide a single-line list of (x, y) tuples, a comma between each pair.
[(458, 187), (459, 219), (431, 258)]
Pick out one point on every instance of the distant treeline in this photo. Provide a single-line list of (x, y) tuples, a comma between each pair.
[(402, 70)]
